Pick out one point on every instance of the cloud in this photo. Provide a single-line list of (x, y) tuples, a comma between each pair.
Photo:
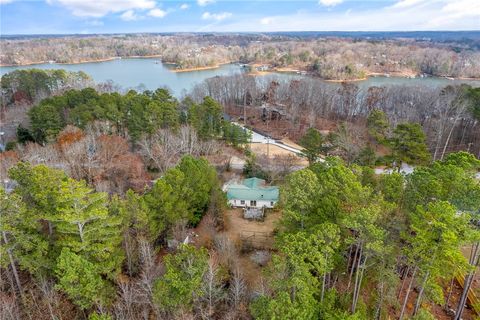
[(100, 8), (266, 20), (129, 16), (157, 13), (407, 3), (463, 8), (401, 15), (329, 3), (203, 3), (184, 6), (440, 14), (454, 12), (6, 1), (216, 16)]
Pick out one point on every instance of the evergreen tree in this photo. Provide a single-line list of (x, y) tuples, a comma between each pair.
[(409, 144), (294, 291), (299, 199), (85, 226), (449, 180), (181, 284), (46, 122), (367, 157), (235, 135), (206, 118), (64, 213), (182, 195), (378, 126), (436, 234), (80, 280), (312, 142)]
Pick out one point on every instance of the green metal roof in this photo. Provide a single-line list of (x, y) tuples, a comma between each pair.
[(254, 183), (252, 189)]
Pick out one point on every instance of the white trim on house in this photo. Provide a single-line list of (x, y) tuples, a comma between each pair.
[(251, 203)]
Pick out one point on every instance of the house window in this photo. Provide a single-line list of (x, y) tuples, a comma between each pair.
[(253, 203), (242, 201)]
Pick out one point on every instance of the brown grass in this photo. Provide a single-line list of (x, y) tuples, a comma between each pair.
[(235, 225), (273, 150)]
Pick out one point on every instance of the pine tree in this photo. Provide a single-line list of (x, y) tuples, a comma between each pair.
[(181, 284), (80, 280), (312, 142), (409, 144)]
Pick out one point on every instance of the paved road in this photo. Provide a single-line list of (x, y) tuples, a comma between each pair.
[(259, 138)]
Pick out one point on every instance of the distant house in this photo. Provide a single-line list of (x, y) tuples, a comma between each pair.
[(252, 193), (263, 67)]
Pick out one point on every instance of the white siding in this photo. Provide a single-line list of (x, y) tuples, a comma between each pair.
[(247, 203)]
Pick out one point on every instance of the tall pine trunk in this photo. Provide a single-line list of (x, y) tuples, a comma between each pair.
[(407, 294), (353, 264), (357, 276), (323, 287), (420, 294), (12, 264), (359, 285), (405, 276), (450, 290), (474, 261), (378, 309)]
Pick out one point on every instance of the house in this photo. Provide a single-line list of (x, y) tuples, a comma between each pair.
[(252, 193)]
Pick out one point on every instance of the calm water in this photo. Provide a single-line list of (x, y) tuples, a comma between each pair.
[(430, 81), (382, 81), (132, 73)]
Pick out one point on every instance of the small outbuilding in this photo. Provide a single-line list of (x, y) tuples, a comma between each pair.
[(252, 193)]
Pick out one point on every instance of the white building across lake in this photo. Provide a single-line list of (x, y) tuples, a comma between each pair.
[(252, 193)]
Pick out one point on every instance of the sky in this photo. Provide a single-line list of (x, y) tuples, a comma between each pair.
[(129, 16)]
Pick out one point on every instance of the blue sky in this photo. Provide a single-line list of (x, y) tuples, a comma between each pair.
[(119, 16)]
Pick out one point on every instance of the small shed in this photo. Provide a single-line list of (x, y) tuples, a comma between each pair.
[(252, 193)]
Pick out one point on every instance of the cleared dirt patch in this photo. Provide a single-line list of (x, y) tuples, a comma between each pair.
[(237, 225), (273, 150), (236, 228)]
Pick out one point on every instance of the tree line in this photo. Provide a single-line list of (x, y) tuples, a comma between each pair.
[(66, 238), (350, 245), (448, 115), (353, 245), (131, 115), (326, 57)]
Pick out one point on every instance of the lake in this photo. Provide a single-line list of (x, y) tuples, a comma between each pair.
[(151, 74), (131, 73)]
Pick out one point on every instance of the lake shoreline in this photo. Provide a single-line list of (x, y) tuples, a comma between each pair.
[(280, 70), (81, 62), (193, 69), (374, 75), (395, 74)]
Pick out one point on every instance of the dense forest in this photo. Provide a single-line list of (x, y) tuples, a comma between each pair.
[(326, 57), (101, 189), (448, 116)]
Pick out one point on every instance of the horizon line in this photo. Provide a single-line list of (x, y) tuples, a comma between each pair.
[(236, 32)]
